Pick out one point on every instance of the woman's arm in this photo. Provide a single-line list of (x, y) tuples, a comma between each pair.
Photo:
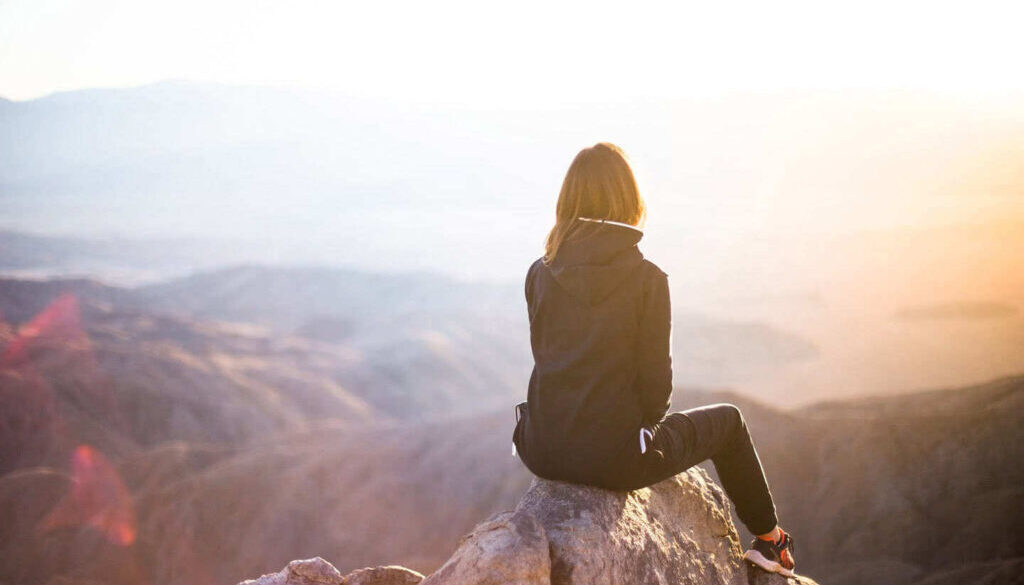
[(654, 350), (528, 288)]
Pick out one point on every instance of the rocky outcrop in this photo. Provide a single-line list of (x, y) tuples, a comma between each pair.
[(317, 571), (678, 531)]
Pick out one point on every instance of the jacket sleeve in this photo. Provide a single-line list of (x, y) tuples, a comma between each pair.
[(654, 351), (528, 289)]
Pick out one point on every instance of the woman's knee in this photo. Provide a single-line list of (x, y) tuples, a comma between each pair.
[(733, 416), (730, 410), (722, 422)]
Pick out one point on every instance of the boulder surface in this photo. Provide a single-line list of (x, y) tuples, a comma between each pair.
[(678, 531)]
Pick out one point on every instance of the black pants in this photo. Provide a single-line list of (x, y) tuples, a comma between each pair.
[(717, 432)]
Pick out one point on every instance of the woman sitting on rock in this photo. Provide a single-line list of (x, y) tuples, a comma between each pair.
[(600, 328)]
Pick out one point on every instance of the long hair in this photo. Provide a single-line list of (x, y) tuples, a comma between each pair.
[(600, 185)]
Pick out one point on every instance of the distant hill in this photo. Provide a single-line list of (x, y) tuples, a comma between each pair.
[(297, 176), (408, 344), (115, 260), (286, 298), (383, 399), (895, 490), (107, 364), (122, 380), (887, 489), (397, 426), (814, 251), (305, 176)]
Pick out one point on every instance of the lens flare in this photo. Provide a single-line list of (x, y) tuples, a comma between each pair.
[(59, 321), (98, 499)]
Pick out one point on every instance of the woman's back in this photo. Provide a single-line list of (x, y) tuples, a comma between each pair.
[(599, 327)]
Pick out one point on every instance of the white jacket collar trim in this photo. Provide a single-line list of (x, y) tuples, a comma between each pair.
[(632, 227)]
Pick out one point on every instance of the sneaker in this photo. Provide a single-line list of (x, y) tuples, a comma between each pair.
[(775, 557)]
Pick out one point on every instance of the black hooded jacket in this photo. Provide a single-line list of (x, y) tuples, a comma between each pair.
[(600, 329)]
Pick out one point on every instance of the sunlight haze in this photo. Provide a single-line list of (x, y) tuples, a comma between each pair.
[(527, 53), (832, 189)]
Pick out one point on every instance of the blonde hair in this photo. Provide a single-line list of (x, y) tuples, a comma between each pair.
[(600, 185)]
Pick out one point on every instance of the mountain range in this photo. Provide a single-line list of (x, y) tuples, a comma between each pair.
[(144, 443)]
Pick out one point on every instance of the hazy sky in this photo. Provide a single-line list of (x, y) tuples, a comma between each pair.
[(521, 52)]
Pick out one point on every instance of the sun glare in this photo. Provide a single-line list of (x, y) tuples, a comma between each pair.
[(537, 53)]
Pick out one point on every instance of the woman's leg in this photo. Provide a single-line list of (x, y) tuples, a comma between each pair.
[(718, 432)]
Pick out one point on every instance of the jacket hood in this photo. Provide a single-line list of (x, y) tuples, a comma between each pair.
[(595, 258)]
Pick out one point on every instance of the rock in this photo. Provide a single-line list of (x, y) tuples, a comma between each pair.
[(387, 575), (317, 571), (678, 531), (313, 571), (508, 549)]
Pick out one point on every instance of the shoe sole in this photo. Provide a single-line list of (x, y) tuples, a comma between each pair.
[(770, 566)]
